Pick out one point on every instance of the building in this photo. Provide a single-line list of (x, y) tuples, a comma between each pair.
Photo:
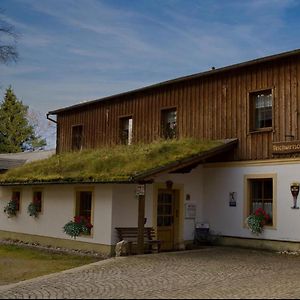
[(251, 110)]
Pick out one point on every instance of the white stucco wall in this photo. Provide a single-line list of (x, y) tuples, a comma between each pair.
[(58, 208), (117, 206), (226, 220), (125, 207), (125, 203)]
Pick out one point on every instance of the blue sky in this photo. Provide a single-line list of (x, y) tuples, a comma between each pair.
[(77, 50)]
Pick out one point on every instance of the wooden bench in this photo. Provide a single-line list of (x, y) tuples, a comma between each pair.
[(130, 235)]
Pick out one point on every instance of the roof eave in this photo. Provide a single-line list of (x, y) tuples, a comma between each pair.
[(182, 79), (198, 158), (66, 182)]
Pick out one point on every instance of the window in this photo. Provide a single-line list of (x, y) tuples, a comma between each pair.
[(84, 205), (37, 200), (165, 207), (77, 137), (261, 195), (261, 109), (169, 123), (16, 196), (126, 130)]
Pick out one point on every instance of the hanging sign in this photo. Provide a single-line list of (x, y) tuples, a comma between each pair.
[(140, 190), (295, 186)]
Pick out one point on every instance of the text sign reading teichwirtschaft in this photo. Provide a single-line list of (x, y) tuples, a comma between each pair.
[(140, 190), (286, 147)]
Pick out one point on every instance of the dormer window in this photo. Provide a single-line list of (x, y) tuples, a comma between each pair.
[(126, 130), (169, 123), (77, 137)]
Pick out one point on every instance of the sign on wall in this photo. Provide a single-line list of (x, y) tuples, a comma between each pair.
[(286, 147), (190, 210), (232, 198), (140, 190)]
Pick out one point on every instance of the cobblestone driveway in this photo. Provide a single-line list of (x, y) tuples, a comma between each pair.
[(206, 273)]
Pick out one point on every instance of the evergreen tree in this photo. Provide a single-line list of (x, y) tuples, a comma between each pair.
[(16, 134)]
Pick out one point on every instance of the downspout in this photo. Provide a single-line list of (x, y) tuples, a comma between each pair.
[(52, 120)]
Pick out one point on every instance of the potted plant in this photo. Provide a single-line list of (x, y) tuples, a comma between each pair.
[(11, 208), (80, 225), (34, 208), (257, 220)]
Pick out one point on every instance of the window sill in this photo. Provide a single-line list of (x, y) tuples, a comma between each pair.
[(262, 130), (269, 227), (87, 235), (266, 227)]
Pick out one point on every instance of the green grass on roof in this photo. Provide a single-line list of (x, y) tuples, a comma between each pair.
[(108, 164)]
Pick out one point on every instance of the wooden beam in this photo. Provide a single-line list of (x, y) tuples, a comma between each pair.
[(141, 223)]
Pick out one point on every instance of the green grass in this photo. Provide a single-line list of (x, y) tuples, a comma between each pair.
[(107, 164), (18, 263)]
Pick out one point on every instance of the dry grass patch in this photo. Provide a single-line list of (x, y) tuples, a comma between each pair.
[(18, 263)]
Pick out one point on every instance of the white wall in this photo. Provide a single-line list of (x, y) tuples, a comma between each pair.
[(116, 205), (125, 207), (103, 214), (209, 189), (218, 182), (58, 209)]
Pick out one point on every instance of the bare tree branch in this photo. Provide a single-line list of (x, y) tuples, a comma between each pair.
[(8, 53), (8, 39)]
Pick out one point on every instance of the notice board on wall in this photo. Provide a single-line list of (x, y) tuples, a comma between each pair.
[(190, 210)]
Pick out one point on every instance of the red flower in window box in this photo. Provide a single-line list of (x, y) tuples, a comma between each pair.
[(257, 220), (36, 201)]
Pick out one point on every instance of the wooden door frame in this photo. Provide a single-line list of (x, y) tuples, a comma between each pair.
[(178, 228)]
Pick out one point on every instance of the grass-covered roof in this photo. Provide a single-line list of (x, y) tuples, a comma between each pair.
[(108, 164)]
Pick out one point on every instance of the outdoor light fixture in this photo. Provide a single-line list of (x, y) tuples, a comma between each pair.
[(295, 192), (169, 184)]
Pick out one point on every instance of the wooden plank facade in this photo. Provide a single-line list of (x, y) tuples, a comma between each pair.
[(211, 105)]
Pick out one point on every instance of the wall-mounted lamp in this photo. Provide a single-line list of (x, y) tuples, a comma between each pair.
[(169, 184), (295, 192)]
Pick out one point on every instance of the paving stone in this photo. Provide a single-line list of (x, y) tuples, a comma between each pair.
[(217, 272)]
